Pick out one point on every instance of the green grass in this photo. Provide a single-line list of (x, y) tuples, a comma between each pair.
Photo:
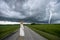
[(6, 30), (49, 31)]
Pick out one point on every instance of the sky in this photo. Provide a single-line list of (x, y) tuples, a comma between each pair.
[(36, 10)]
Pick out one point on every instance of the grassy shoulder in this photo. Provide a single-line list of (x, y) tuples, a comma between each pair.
[(50, 31), (6, 30)]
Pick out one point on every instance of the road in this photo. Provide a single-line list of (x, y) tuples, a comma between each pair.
[(14, 36), (31, 35), (28, 35)]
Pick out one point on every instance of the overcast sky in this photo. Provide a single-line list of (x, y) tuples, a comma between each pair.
[(41, 10)]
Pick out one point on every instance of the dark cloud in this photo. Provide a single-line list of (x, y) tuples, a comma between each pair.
[(31, 10), (58, 1)]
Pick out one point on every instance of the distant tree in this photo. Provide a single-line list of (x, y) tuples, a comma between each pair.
[(32, 23)]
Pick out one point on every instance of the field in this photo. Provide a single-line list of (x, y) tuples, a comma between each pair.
[(6, 30), (49, 31)]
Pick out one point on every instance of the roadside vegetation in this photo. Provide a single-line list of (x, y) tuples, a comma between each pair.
[(49, 31), (6, 30)]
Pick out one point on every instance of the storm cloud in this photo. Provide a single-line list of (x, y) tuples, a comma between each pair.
[(37, 9)]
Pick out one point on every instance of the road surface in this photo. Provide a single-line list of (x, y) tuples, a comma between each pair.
[(28, 35), (31, 35), (14, 36)]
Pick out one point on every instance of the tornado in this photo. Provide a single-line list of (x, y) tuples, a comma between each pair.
[(50, 10)]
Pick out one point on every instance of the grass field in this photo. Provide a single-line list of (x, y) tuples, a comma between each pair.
[(49, 31), (6, 30)]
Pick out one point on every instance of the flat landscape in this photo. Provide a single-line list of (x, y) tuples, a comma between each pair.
[(49, 31), (6, 30)]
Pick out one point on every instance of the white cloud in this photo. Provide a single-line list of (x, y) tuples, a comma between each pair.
[(8, 22)]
